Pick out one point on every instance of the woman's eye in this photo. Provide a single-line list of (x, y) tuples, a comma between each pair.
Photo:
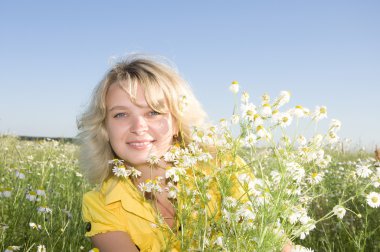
[(120, 115), (153, 113)]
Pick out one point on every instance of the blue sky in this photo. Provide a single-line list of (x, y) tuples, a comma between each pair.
[(324, 52)]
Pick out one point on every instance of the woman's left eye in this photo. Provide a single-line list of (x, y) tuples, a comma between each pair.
[(153, 113)]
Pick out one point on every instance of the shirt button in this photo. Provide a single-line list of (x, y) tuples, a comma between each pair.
[(88, 227)]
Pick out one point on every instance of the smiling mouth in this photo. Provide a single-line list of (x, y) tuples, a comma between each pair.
[(140, 144)]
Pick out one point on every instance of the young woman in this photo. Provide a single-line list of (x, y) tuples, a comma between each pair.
[(136, 112)]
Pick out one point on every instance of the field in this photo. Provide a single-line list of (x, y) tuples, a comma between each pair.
[(41, 190), (253, 182)]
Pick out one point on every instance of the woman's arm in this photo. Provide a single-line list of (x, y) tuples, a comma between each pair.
[(115, 241)]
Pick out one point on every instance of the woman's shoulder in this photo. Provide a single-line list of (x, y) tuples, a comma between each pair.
[(99, 193)]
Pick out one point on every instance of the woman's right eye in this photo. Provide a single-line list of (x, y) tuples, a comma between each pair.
[(120, 115)]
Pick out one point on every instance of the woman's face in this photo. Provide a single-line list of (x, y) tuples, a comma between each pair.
[(135, 130)]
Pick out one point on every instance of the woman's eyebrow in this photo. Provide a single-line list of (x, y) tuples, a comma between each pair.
[(122, 107)]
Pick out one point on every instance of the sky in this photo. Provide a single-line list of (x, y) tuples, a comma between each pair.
[(325, 52)]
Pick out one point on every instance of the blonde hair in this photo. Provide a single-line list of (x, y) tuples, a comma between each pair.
[(164, 90)]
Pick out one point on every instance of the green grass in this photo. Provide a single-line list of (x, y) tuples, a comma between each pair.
[(53, 167)]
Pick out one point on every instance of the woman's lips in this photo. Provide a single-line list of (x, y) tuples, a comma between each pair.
[(140, 145)]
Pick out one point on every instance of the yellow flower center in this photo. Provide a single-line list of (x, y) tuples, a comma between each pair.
[(375, 199)]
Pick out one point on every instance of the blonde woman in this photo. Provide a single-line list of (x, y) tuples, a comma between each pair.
[(135, 113)]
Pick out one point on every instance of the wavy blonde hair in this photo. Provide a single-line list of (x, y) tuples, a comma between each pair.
[(164, 90)]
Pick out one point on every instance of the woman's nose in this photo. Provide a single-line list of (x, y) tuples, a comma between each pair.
[(139, 125)]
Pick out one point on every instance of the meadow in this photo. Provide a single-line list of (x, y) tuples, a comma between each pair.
[(309, 191)]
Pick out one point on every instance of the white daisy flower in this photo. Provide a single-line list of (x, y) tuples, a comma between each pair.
[(299, 111), (266, 110), (40, 192), (121, 171), (332, 137), (285, 120), (41, 248), (265, 98), (245, 97), (33, 225), (320, 113), (261, 132), (20, 175), (250, 140), (315, 177), (153, 160), (363, 171), (219, 241), (234, 87), (32, 196), (44, 209), (248, 111), (301, 140), (174, 173), (257, 120), (230, 202), (235, 119), (335, 124), (373, 199), (6, 193), (283, 98), (339, 211), (12, 248)]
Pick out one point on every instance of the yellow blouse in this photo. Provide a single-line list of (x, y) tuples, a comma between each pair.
[(119, 206)]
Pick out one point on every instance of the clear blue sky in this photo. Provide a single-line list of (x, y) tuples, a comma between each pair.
[(52, 54)]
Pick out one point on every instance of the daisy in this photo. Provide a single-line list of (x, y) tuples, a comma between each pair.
[(41, 248), (301, 140), (121, 171), (266, 110), (363, 171), (315, 177), (153, 160), (32, 196), (234, 87), (283, 98), (335, 124), (44, 209), (219, 241), (299, 111), (235, 119), (245, 97), (265, 98), (40, 192), (332, 137), (248, 111), (12, 248), (257, 120), (373, 199), (33, 225), (6, 193), (320, 113), (250, 140), (339, 211), (285, 120), (20, 175)]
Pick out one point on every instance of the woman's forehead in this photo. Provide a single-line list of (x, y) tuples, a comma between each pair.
[(141, 95)]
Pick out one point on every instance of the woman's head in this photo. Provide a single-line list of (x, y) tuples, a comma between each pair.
[(130, 92)]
